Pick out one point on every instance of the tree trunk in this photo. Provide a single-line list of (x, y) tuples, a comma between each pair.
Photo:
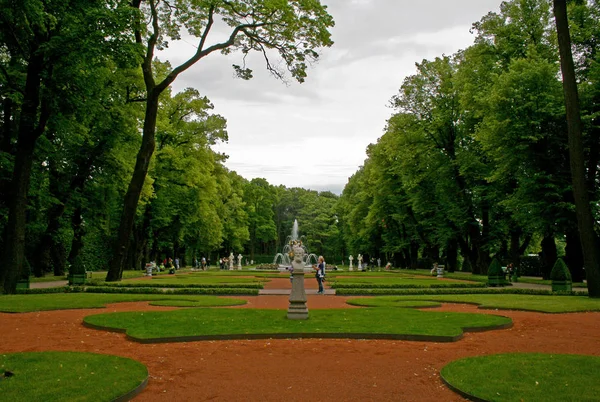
[(132, 197), (585, 219), (452, 255), (548, 255), (13, 261), (78, 232), (574, 256)]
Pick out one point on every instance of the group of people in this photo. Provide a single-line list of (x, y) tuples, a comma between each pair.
[(203, 264)]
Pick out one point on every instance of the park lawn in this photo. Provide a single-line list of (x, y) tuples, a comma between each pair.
[(526, 377), (398, 280), (221, 322), (47, 278), (544, 304), (66, 301), (68, 376), (540, 281)]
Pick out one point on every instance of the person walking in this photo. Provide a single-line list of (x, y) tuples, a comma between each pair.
[(320, 274)]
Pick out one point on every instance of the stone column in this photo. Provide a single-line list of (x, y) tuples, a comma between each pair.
[(297, 309)]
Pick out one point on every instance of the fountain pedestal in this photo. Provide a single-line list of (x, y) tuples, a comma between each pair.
[(297, 309)]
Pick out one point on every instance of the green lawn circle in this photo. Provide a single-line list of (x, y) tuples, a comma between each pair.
[(69, 376), (525, 377)]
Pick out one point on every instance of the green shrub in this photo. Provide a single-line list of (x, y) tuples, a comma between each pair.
[(496, 274), (560, 271)]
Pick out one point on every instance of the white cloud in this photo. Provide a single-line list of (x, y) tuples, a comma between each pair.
[(314, 135)]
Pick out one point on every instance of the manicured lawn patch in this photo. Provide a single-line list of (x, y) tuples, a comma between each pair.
[(48, 278), (207, 301), (202, 279), (204, 322), (398, 283), (526, 377), (545, 304), (68, 376), (64, 301)]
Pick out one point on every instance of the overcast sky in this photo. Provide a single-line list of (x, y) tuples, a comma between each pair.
[(314, 135)]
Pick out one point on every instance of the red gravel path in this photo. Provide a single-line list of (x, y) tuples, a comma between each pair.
[(299, 370)]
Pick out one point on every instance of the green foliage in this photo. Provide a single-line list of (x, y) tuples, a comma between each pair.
[(560, 271)]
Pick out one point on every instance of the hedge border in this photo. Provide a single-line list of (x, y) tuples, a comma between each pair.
[(473, 285), (177, 285), (413, 292)]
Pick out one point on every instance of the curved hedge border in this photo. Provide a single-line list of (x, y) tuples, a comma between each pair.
[(336, 285), (177, 285), (163, 291), (402, 292), (143, 290)]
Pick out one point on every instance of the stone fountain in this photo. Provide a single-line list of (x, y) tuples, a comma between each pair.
[(284, 259)]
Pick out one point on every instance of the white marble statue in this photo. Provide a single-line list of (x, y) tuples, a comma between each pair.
[(231, 257), (360, 262), (379, 262), (350, 259), (239, 261)]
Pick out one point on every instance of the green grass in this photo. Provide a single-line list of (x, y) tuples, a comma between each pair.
[(397, 281), (200, 302), (64, 301), (527, 377), (216, 322), (47, 278), (68, 376), (545, 304), (539, 281)]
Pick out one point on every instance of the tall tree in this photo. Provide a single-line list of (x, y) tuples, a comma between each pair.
[(291, 28), (585, 218), (45, 44)]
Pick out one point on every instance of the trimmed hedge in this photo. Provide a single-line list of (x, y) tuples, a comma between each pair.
[(561, 277), (496, 274), (412, 292), (560, 271), (185, 291), (178, 285), (406, 285), (39, 291)]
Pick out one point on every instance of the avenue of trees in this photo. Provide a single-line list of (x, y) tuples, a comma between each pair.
[(103, 167), (476, 161), (81, 91)]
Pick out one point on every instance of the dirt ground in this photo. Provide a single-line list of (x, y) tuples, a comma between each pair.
[(300, 370)]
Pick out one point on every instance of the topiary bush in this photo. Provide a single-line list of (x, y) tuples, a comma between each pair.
[(560, 276), (496, 274)]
